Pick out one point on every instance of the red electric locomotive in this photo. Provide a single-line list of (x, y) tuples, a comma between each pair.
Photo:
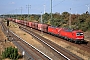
[(54, 30), (72, 35)]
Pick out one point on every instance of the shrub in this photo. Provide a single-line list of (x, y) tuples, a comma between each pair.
[(10, 52)]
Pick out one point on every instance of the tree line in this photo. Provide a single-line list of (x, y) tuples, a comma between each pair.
[(78, 21)]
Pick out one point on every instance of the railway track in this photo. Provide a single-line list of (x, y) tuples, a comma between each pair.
[(82, 49), (31, 53), (61, 51), (85, 46)]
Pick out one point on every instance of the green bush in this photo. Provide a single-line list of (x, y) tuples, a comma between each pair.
[(10, 52)]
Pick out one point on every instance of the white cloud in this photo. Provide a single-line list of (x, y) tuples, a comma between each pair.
[(12, 2)]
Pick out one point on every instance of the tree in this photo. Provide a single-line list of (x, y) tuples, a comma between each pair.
[(65, 15), (10, 52), (46, 17)]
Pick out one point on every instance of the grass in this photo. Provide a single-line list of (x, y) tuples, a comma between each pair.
[(24, 34)]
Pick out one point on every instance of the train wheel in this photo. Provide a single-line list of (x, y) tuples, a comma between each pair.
[(70, 40), (67, 39), (75, 42)]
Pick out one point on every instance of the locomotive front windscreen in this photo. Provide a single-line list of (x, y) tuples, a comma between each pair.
[(79, 33)]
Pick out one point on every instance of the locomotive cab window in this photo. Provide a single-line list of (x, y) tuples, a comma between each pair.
[(79, 33)]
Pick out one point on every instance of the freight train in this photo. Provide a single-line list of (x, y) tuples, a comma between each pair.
[(76, 36)]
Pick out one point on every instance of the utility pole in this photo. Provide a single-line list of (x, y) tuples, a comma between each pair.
[(41, 17), (87, 7), (51, 9), (70, 19), (41, 23), (3, 16), (28, 6), (16, 13), (21, 12), (11, 14), (44, 8)]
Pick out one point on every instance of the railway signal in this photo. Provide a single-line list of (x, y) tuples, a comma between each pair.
[(7, 22), (8, 30)]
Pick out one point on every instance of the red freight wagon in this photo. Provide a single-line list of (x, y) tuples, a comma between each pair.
[(22, 22), (9, 18), (29, 23), (33, 25), (13, 20), (17, 21), (39, 26), (25, 23), (36, 25), (44, 27)]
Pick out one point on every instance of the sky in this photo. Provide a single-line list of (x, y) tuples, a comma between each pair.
[(41, 6)]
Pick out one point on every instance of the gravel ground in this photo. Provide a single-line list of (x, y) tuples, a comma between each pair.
[(87, 35)]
